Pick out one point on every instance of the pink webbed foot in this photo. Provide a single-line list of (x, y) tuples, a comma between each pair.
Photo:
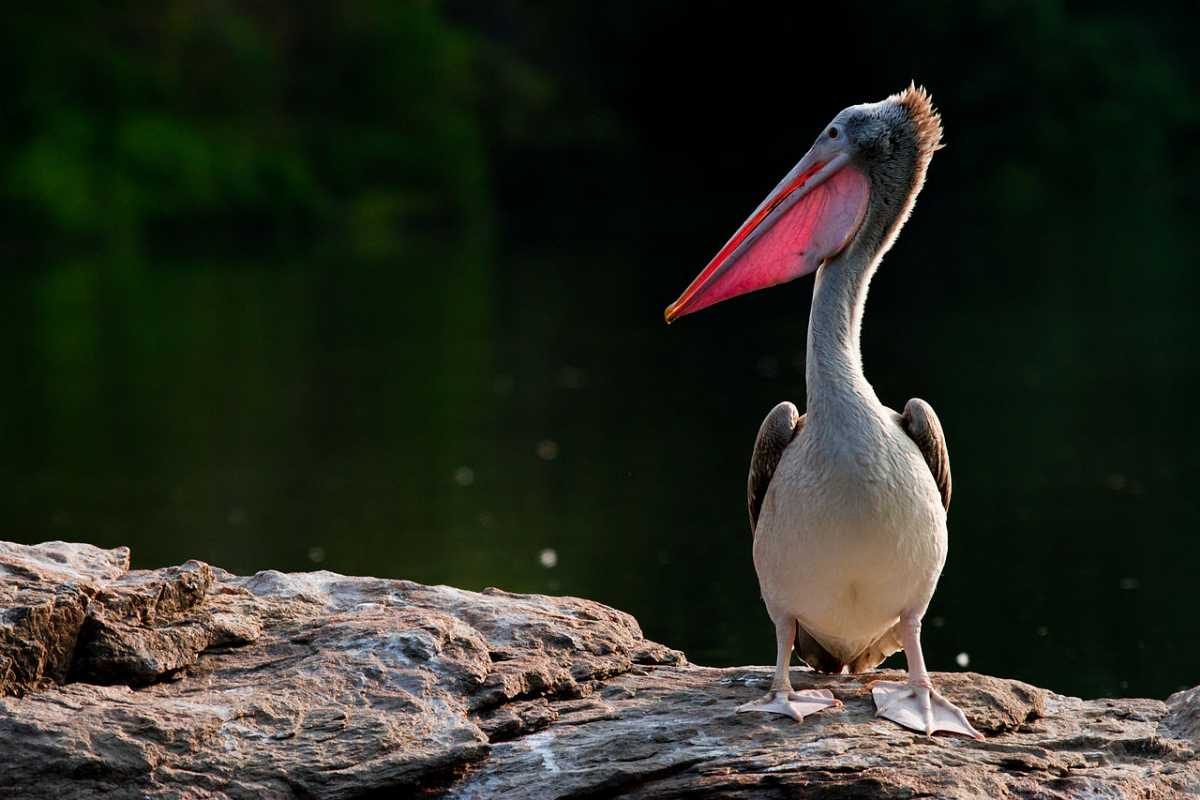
[(919, 708), (796, 705)]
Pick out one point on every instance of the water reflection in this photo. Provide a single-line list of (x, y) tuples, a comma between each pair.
[(491, 420), (468, 380)]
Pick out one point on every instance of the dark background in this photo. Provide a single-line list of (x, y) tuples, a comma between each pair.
[(377, 287)]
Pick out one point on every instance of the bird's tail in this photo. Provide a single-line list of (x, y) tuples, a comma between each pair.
[(814, 654), (820, 659)]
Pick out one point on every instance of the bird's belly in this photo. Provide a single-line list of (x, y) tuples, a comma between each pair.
[(847, 558)]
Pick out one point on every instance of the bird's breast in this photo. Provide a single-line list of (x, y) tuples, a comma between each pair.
[(852, 534)]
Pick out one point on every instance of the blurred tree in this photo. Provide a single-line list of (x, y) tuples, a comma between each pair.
[(265, 119), (193, 122)]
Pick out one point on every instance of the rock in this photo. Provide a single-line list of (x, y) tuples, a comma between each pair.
[(44, 592), (135, 631), (192, 682), (1183, 718)]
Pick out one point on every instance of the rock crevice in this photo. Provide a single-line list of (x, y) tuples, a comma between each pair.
[(190, 681)]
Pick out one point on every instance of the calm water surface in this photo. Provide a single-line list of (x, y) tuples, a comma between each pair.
[(480, 414)]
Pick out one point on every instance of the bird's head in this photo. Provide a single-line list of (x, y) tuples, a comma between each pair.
[(854, 187)]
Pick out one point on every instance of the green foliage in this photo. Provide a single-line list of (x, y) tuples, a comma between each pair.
[(128, 118)]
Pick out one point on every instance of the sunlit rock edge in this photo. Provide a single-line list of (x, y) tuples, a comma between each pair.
[(190, 681)]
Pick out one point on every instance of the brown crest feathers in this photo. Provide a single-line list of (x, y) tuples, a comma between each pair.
[(927, 122)]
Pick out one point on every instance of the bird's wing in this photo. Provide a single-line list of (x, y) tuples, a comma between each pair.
[(777, 431), (921, 424)]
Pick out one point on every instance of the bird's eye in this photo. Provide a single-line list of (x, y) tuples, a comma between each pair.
[(833, 132)]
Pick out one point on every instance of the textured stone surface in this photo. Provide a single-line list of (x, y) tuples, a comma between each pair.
[(44, 593), (191, 682)]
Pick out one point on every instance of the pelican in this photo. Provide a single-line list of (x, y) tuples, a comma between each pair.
[(848, 501)]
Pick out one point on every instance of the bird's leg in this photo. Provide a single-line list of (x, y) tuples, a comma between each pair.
[(916, 704), (782, 699)]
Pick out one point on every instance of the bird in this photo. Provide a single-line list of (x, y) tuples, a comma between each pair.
[(848, 502)]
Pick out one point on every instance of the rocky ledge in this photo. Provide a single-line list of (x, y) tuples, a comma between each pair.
[(192, 682)]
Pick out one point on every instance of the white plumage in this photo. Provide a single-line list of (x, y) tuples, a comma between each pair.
[(848, 502)]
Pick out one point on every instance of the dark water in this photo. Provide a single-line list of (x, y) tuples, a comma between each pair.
[(453, 412), (491, 398)]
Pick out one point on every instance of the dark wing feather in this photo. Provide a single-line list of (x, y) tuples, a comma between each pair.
[(777, 431), (921, 424)]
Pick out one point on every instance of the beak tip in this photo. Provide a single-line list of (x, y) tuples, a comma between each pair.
[(668, 314)]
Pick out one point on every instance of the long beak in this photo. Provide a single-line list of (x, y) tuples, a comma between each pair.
[(811, 215)]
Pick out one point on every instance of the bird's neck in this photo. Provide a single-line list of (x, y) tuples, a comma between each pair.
[(838, 392), (833, 372)]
